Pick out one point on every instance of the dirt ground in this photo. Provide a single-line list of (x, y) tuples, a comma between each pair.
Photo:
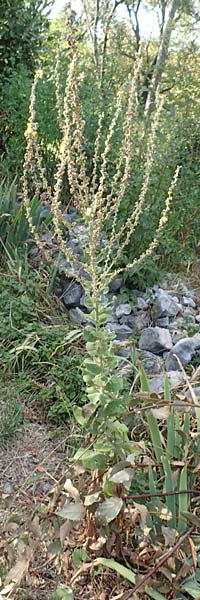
[(30, 468)]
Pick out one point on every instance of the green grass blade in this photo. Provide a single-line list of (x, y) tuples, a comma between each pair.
[(155, 436), (170, 436), (144, 381), (183, 501), (167, 391), (154, 593), (186, 424), (109, 563), (169, 487), (152, 423), (153, 490), (178, 440)]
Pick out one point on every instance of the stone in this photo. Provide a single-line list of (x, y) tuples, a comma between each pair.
[(196, 389), (34, 251), (77, 316), (47, 239), (72, 293), (156, 384), (178, 335), (197, 318), (186, 292), (122, 349), (115, 284), (152, 364), (123, 309), (185, 349), (176, 324), (162, 322), (189, 314), (84, 274), (44, 212), (138, 322), (126, 370), (156, 340), (70, 215), (123, 332), (7, 488), (65, 266), (141, 303), (166, 306), (81, 232), (187, 301)]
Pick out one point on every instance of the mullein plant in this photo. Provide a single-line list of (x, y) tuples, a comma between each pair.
[(106, 394)]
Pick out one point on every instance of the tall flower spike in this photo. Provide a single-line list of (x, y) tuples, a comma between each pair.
[(126, 150), (131, 223), (162, 222)]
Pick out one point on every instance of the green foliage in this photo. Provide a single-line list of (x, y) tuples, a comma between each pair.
[(35, 347), (15, 96), (23, 30), (11, 415), (14, 228)]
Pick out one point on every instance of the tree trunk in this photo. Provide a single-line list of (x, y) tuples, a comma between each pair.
[(161, 58)]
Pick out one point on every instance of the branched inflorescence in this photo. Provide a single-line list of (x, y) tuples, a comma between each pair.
[(96, 204)]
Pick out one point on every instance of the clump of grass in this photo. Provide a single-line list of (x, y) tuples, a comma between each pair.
[(39, 360), (11, 417)]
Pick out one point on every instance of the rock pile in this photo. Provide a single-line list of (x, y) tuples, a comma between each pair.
[(163, 323)]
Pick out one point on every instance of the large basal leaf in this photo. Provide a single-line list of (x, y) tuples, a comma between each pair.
[(73, 511), (109, 509)]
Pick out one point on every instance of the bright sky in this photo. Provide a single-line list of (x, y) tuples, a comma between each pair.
[(148, 21)]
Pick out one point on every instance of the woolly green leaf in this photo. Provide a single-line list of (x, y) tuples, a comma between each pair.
[(94, 460), (79, 556), (92, 499), (108, 510), (91, 367), (75, 511), (78, 414), (124, 476), (63, 594)]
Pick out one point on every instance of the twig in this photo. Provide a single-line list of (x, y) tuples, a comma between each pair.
[(163, 494), (159, 564)]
